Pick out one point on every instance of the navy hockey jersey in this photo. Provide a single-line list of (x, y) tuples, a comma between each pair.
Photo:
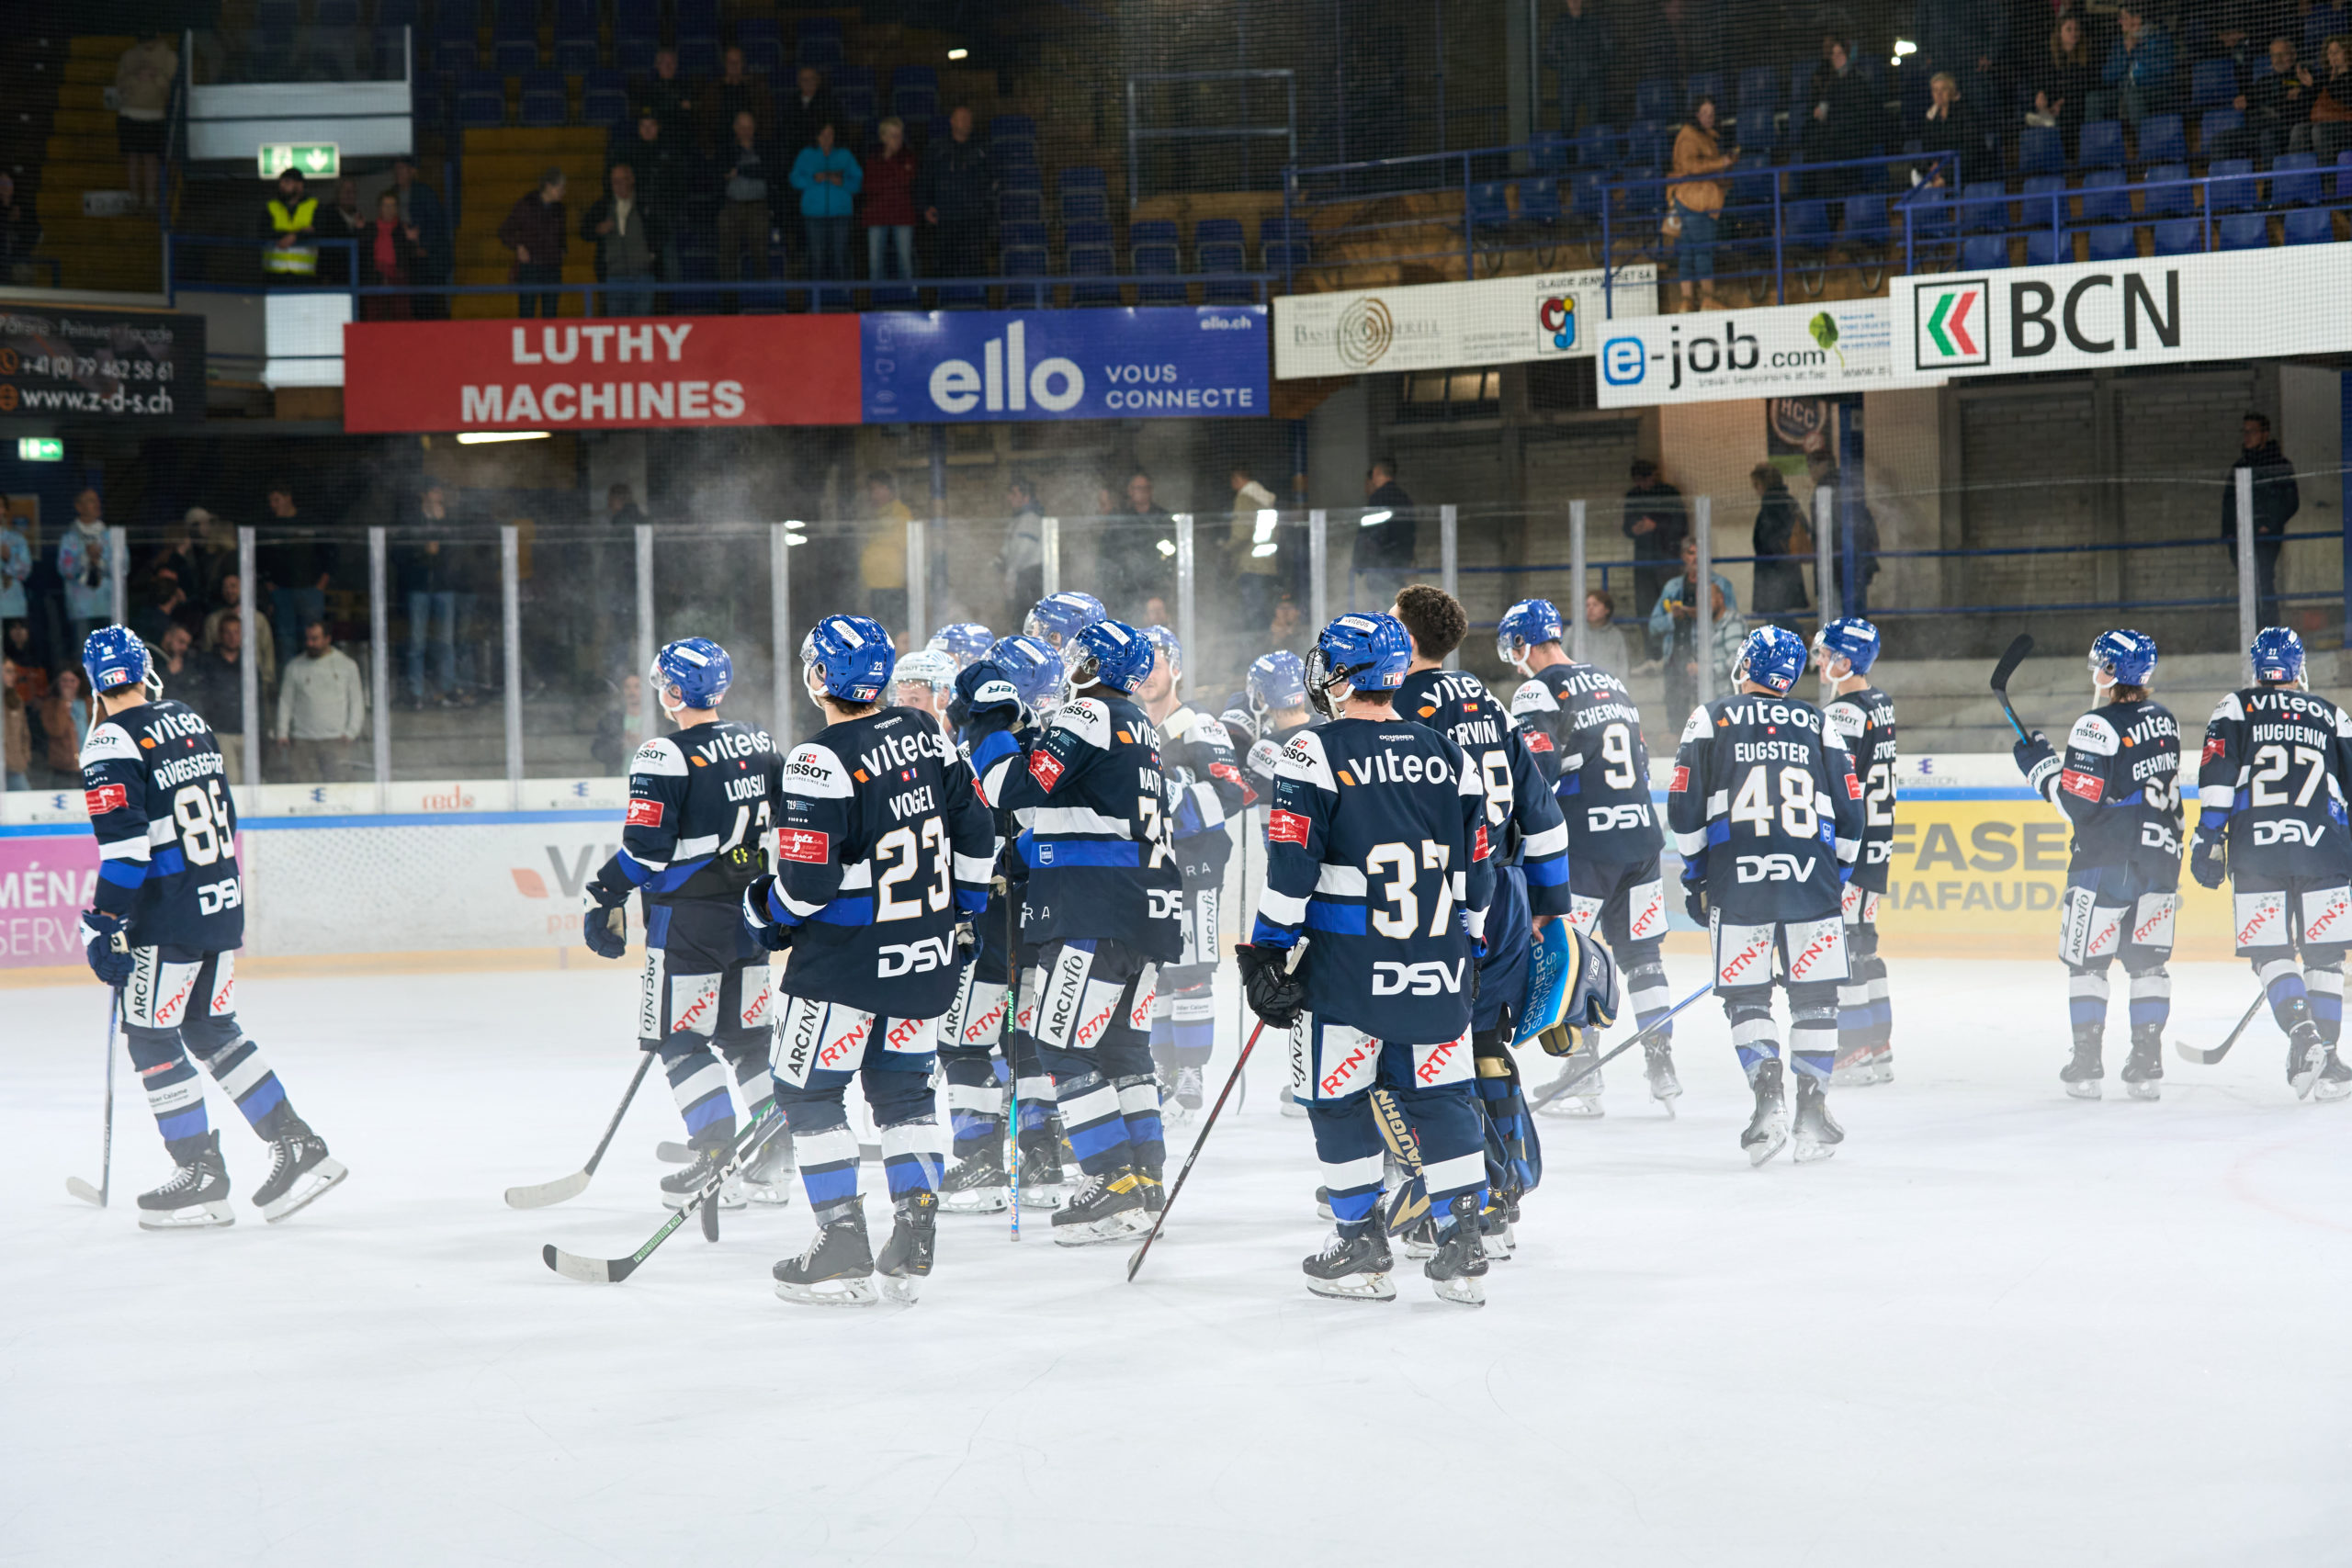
[(1586, 735), (882, 846), (1863, 722), (995, 750), (158, 799), (700, 804), (1377, 848), (2118, 782), (1099, 847), (1523, 819), (2277, 767), (1204, 790), (1765, 809)]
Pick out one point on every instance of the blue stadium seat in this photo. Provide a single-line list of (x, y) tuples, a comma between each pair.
[(914, 103), (515, 57), (1752, 181), (1160, 261), (1595, 145), (2114, 241), (1539, 200), (1983, 252), (1083, 177), (481, 99), (544, 102), (1084, 204), (1701, 85), (337, 15), (1864, 220), (2231, 186), (2102, 145), (2040, 151), (1006, 129), (1489, 204), (963, 296), (1093, 261), (1548, 151), (2217, 124), (577, 51), (1144, 231), (633, 52), (762, 42), (1216, 231), (455, 53), (2242, 231), (637, 19), (2164, 199), (2212, 84), (856, 102), (1086, 231), (1648, 144), (1805, 223), (1024, 261), (2044, 248), (514, 37), (1656, 99), (2036, 210), (1221, 256), (1019, 234), (1020, 207), (1800, 72), (604, 96), (2344, 176), (2294, 180), (2180, 237), (1020, 174), (698, 54), (824, 53), (1984, 208), (1758, 99), (2105, 199), (2163, 140), (1926, 216), (1587, 194), (2310, 226)]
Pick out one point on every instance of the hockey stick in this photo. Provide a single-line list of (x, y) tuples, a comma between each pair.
[(2002, 671), (2207, 1058), (1206, 1127), (1004, 1031), (572, 1186), (1553, 1091), (613, 1270), (98, 1195)]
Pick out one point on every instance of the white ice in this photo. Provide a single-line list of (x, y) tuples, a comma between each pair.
[(2001, 1327)]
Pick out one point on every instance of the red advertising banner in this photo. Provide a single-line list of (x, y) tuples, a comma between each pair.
[(629, 374)]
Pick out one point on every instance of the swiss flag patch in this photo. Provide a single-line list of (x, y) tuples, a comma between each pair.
[(1682, 781), (2091, 786), (644, 813), (105, 798), (1286, 827), (1538, 741), (1046, 769), (2214, 746), (804, 846), (1478, 844)]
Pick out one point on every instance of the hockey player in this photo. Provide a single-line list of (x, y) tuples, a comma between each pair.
[(966, 642), (701, 804), (925, 682), (1204, 790), (1862, 716), (1260, 718), (2118, 787), (167, 919), (1530, 850), (1104, 905), (1768, 814), (1057, 618), (882, 859), (2272, 785), (1585, 734), (1378, 849)]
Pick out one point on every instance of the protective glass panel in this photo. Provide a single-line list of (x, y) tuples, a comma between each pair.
[(712, 580), (448, 663)]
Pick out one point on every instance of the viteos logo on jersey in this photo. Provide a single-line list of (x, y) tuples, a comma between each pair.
[(1775, 868), (1430, 979), (912, 957), (1004, 381), (2286, 830)]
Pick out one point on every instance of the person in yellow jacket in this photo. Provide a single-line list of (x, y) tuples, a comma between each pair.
[(289, 222), (1697, 204), (882, 562)]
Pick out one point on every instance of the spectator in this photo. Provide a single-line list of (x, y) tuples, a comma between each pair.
[(621, 509), (175, 561), (1288, 630), (16, 644), (882, 562), (1842, 123), (956, 191), (743, 219), (171, 659), (160, 611), (142, 87), (828, 179), (64, 718), (20, 231), (1779, 532), (342, 221), (86, 565), (289, 222), (620, 728), (2277, 499), (1138, 550), (1946, 126), (16, 565), (2136, 82), (298, 571), (321, 707), (661, 164), (1387, 535), (1022, 558), (1657, 521), (889, 211), (217, 688), (421, 211), (1698, 203), (1606, 643), (736, 93), (428, 585), (233, 611), (1965, 38), (2275, 104), (1856, 515), (809, 106), (16, 732), (673, 100), (1674, 626), (2062, 91), (628, 244), (2328, 131), (1577, 47), (534, 231), (391, 255), (1251, 546)]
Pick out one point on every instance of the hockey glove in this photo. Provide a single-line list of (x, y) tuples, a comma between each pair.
[(1269, 979), (771, 934), (2036, 760), (104, 939), (968, 942), (1694, 899), (2209, 860), (604, 928)]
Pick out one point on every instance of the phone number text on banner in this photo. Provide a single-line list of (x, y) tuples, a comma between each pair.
[(142, 368)]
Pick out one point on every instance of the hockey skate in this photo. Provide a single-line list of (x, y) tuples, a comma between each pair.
[(1583, 1102), (905, 1257), (197, 1196), (1108, 1207), (2082, 1073), (2306, 1054), (1882, 1063), (2143, 1071), (1459, 1263), (301, 1171), (1853, 1068), (1817, 1132), (770, 1178), (1180, 1103), (1292, 1105), (2334, 1078), (1768, 1128), (1041, 1170), (1353, 1269), (1497, 1222), (1152, 1188), (977, 1185), (1657, 1065), (678, 1188), (838, 1267)]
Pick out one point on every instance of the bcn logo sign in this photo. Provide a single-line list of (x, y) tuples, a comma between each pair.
[(1005, 381)]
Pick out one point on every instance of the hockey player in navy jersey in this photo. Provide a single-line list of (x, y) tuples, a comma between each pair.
[(1585, 734), (701, 804), (1863, 718), (168, 917), (1203, 792), (1768, 814), (883, 859), (1260, 719), (1104, 905), (925, 682), (2272, 784), (1529, 841), (1378, 861), (2119, 785)]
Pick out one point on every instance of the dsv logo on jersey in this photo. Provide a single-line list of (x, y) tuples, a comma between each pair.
[(2288, 831), (1775, 868), (912, 957), (1391, 979)]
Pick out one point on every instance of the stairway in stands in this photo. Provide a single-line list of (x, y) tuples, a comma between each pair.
[(92, 253)]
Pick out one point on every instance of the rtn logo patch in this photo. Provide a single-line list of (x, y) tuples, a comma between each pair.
[(644, 813), (1538, 741), (1682, 781), (1046, 769), (1286, 827), (105, 798)]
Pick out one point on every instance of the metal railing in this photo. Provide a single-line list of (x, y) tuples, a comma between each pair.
[(1138, 133), (1936, 221)]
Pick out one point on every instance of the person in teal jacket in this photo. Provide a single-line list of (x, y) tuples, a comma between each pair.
[(828, 179)]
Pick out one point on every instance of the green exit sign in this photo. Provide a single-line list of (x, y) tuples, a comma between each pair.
[(311, 160), (40, 450)]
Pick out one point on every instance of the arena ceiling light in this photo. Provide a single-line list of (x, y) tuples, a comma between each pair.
[(957, 53), (488, 437)]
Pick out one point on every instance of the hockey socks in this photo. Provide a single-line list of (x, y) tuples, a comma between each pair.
[(2150, 1000), (241, 1072), (699, 1083), (175, 1093), (1098, 1127), (2282, 982)]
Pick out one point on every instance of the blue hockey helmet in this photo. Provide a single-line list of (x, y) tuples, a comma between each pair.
[(2125, 657), (1167, 652), (1277, 680), (1772, 658), (963, 641), (1524, 626), (848, 658), (1034, 670), (696, 669), (113, 657), (1851, 639), (2277, 656), (1361, 653), (1059, 617), (1112, 652)]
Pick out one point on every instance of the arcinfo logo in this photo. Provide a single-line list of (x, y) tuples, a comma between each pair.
[(1005, 381)]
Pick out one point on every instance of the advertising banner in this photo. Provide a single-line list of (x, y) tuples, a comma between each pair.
[(985, 366), (46, 881), (1769, 350), (690, 372), (137, 370), (1441, 326)]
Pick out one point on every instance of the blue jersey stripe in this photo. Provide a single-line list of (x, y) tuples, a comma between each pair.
[(1341, 920), (1062, 853), (853, 911)]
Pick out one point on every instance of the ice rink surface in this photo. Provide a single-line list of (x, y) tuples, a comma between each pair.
[(2000, 1327)]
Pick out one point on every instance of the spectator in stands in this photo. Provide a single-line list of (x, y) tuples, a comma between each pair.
[(391, 255), (673, 100), (1577, 47), (321, 707), (2275, 103), (1946, 126), (342, 221), (1674, 626), (956, 190), (163, 603), (809, 106), (2064, 82), (178, 560), (1288, 630), (64, 718), (421, 208), (534, 231), (232, 613), (1606, 643), (20, 231), (173, 662), (1022, 558), (1386, 535), (662, 163), (298, 569), (16, 568), (2328, 131), (289, 222), (1856, 515), (1133, 565), (429, 588), (1657, 521), (828, 179), (142, 86), (85, 563), (216, 688), (620, 728), (743, 217), (1698, 203), (736, 93), (628, 244), (1842, 123), (16, 732), (2277, 499), (1251, 552), (1780, 531), (882, 560), (2136, 81), (890, 210), (1966, 37)]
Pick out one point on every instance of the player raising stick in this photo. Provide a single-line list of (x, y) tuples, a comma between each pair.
[(1862, 717)]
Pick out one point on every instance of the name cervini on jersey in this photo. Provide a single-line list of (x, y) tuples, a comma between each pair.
[(2275, 762)]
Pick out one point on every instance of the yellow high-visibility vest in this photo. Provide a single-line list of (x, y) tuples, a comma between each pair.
[(297, 261)]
